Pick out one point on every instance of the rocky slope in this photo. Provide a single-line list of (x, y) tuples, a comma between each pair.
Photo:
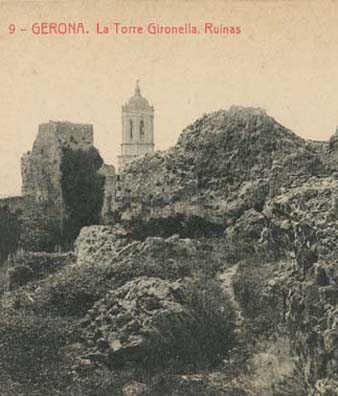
[(219, 279)]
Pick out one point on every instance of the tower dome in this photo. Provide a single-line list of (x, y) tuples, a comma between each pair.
[(138, 101)]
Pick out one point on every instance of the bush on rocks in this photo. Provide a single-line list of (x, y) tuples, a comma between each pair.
[(261, 305), (154, 323), (26, 267)]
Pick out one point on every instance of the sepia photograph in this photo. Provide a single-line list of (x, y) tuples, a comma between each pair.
[(169, 198)]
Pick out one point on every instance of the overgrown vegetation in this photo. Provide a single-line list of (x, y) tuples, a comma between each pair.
[(40, 227), (33, 347), (9, 232), (24, 267), (82, 190), (262, 307), (214, 335), (184, 226)]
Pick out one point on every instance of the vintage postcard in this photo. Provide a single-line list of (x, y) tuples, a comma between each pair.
[(168, 198)]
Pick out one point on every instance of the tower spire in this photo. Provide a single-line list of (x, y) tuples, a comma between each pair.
[(137, 88)]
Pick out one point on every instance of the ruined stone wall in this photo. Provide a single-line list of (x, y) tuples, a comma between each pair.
[(74, 136), (41, 175), (41, 168), (59, 176)]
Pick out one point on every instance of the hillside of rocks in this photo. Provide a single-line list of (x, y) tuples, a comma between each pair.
[(223, 164), (218, 278)]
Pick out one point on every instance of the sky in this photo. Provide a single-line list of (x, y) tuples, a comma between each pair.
[(285, 60)]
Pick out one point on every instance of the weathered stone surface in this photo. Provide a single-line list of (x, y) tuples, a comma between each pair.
[(155, 323), (41, 168), (62, 190), (326, 387), (98, 243), (223, 164)]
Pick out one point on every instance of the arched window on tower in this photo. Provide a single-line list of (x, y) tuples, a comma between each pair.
[(131, 129), (141, 129)]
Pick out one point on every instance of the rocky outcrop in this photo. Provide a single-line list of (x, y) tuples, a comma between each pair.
[(311, 317), (275, 195), (99, 244), (223, 164), (154, 323), (169, 258)]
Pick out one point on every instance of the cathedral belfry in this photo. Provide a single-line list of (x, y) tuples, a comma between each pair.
[(137, 128)]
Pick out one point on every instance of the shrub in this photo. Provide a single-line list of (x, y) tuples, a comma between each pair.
[(26, 267), (178, 325), (73, 291), (214, 336), (262, 307), (185, 226)]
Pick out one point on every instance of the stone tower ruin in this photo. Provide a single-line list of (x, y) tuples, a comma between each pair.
[(41, 167), (137, 128), (60, 176)]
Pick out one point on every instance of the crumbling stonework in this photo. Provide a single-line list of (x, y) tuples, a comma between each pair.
[(61, 187), (41, 168)]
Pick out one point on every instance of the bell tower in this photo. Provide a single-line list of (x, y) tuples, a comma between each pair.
[(137, 128)]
